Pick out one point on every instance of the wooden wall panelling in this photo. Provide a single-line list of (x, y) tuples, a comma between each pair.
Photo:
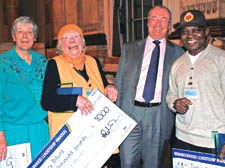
[(38, 47), (59, 16), (10, 13), (51, 52), (49, 22), (108, 24), (64, 12), (44, 21), (71, 11), (5, 46), (212, 9), (91, 20), (40, 19), (1, 23), (91, 16), (99, 51)]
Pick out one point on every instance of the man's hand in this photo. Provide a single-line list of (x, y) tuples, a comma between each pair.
[(111, 92), (3, 146), (181, 105)]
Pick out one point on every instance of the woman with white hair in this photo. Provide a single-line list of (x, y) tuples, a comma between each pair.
[(22, 119), (75, 67)]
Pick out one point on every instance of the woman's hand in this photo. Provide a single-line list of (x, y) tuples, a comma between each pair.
[(84, 105), (111, 92), (3, 146)]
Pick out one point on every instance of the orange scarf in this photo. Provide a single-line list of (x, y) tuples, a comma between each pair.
[(77, 62)]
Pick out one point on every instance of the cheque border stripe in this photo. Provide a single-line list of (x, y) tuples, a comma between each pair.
[(68, 127), (50, 147), (197, 157)]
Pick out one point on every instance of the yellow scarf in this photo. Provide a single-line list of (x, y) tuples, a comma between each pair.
[(77, 62), (69, 75)]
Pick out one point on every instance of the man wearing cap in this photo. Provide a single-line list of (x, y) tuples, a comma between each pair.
[(197, 86), (149, 139)]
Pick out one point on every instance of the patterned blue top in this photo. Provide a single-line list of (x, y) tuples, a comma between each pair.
[(20, 97)]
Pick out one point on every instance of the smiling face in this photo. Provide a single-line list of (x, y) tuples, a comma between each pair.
[(72, 44), (24, 36), (194, 39), (158, 23)]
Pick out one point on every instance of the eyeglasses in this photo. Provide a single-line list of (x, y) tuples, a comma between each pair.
[(71, 36)]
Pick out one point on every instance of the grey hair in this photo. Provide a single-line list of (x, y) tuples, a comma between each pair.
[(162, 7), (59, 46), (25, 20)]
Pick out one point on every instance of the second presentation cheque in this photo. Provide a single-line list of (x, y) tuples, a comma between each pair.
[(87, 141)]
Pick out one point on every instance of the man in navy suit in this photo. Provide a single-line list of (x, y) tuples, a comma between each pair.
[(149, 139)]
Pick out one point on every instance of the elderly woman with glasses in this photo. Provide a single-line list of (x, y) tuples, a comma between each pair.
[(22, 119), (75, 67)]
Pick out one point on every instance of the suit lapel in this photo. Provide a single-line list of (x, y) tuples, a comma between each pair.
[(139, 58), (140, 54), (168, 60)]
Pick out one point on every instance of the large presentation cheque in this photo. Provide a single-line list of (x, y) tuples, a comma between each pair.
[(87, 141), (190, 159)]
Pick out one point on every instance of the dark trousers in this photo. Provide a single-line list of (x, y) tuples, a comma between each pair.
[(113, 161), (179, 144)]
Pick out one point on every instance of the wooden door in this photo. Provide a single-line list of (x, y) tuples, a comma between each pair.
[(64, 12)]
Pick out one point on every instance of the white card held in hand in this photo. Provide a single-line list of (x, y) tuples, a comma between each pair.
[(18, 156)]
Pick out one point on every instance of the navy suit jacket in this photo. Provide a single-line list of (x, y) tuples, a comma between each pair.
[(128, 76)]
